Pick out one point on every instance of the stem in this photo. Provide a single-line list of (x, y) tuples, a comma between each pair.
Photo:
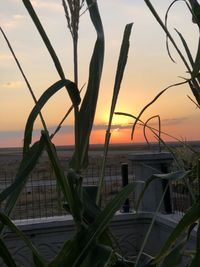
[(75, 51), (103, 166), (150, 227), (24, 76)]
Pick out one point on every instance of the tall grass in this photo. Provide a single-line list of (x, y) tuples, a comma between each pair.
[(174, 248)]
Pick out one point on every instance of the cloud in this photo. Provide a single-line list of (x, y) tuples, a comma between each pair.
[(172, 121), (47, 5), (5, 57), (12, 85), (114, 126), (13, 22)]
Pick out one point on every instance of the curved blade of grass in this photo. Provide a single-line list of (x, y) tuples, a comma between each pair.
[(6, 256), (166, 22), (7, 221), (42, 101), (118, 79), (157, 17), (152, 102), (85, 118), (174, 176), (189, 218), (159, 130)]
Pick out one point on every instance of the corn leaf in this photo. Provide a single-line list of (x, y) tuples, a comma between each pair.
[(195, 9), (102, 221), (189, 218), (121, 65), (196, 66), (59, 260), (76, 252), (42, 101), (196, 260), (6, 256), (97, 257), (70, 195), (84, 121), (118, 79), (7, 221), (44, 36)]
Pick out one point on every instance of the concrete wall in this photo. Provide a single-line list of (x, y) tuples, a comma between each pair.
[(49, 235)]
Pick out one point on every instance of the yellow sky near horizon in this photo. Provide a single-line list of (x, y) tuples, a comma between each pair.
[(148, 70)]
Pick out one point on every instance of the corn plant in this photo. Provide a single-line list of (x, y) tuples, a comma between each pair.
[(92, 243)]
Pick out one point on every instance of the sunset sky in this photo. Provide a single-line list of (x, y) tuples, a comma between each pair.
[(148, 71)]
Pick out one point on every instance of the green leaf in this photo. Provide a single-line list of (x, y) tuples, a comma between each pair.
[(86, 238), (189, 218), (196, 260), (195, 11), (102, 221), (6, 221), (121, 65), (118, 79), (59, 260), (6, 256), (174, 258), (173, 176), (85, 118), (98, 256), (75, 97), (196, 66), (44, 36)]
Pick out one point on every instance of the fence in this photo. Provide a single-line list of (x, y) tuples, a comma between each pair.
[(181, 197), (42, 198)]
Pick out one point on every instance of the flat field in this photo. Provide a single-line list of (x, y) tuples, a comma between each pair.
[(41, 196)]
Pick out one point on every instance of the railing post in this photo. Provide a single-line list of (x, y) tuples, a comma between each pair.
[(146, 164), (124, 173)]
